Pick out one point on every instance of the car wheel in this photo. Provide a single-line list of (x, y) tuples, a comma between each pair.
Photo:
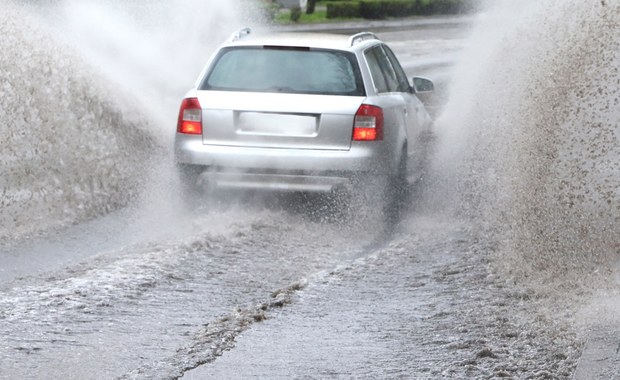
[(398, 190)]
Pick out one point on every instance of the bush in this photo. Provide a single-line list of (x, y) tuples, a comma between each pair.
[(311, 7), (346, 9), (295, 14), (379, 9), (446, 6)]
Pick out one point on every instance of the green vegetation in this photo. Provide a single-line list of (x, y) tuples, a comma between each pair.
[(284, 16), (336, 10), (380, 9)]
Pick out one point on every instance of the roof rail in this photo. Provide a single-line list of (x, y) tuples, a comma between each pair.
[(239, 34), (359, 37)]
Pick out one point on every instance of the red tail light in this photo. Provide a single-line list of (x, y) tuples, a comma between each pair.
[(190, 117), (368, 123)]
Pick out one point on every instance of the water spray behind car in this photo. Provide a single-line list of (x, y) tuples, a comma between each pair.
[(89, 94), (530, 137)]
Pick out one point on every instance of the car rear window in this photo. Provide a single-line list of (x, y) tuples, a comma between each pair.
[(285, 70)]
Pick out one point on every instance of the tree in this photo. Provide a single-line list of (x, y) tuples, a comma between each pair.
[(310, 7)]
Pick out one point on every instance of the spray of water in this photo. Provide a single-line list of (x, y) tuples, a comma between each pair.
[(530, 137), (152, 49), (68, 146), (89, 93)]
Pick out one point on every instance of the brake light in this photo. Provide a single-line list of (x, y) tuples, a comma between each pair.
[(368, 123), (190, 117)]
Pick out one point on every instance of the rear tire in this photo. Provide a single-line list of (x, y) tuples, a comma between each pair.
[(398, 191)]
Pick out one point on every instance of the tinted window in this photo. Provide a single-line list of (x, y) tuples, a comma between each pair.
[(374, 64), (287, 70), (401, 77)]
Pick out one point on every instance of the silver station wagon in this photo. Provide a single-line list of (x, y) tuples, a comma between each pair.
[(301, 112)]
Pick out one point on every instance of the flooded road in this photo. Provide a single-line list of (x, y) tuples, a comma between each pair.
[(142, 303), (470, 283), (424, 306)]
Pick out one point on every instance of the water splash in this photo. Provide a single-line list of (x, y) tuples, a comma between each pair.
[(69, 150), (530, 136), (152, 49), (89, 93)]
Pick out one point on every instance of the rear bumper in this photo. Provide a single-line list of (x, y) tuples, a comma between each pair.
[(360, 157), (273, 182), (306, 170)]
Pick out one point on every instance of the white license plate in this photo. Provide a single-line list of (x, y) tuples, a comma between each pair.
[(275, 124)]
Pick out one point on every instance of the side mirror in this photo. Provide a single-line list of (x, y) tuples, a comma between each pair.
[(422, 85)]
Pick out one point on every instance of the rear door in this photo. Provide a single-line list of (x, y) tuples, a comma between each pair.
[(400, 104), (417, 116), (389, 96)]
